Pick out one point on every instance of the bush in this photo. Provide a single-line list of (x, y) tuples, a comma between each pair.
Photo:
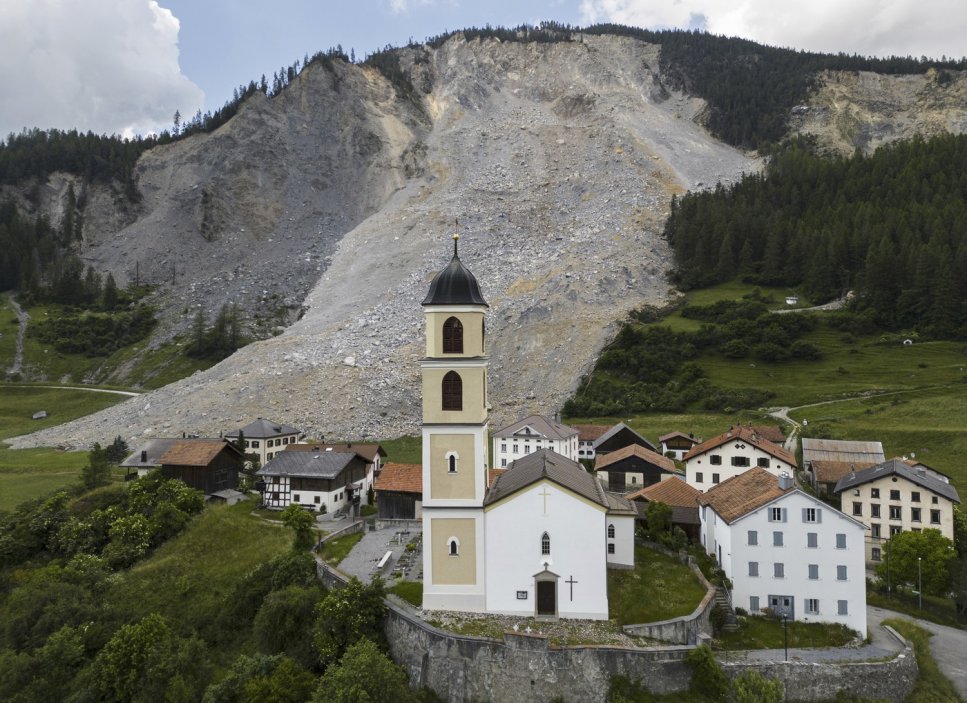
[(708, 679)]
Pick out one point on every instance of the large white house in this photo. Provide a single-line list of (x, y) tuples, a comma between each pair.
[(893, 497), (532, 434), (732, 453), (785, 550), (325, 481), (536, 542), (265, 438)]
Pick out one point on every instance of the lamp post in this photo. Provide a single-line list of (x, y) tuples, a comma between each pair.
[(889, 590), (785, 634), (919, 585)]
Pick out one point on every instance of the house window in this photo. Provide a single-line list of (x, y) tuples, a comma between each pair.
[(516, 450), (503, 447), (777, 514), (814, 572), (753, 537), (753, 604), (915, 514), (934, 517), (875, 510), (934, 500), (715, 478), (611, 548), (753, 568), (454, 547), (874, 493), (779, 570), (452, 336), (811, 515), (699, 477), (762, 462), (255, 444), (316, 500), (875, 530), (546, 544), (857, 508), (875, 554), (776, 539), (840, 540), (812, 606), (842, 608), (610, 531), (452, 391), (503, 463), (296, 497), (915, 496), (841, 573), (894, 495), (895, 530), (740, 461), (715, 459), (896, 512), (812, 540)]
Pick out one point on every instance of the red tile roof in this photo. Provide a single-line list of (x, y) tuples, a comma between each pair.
[(400, 478), (194, 452), (589, 433), (676, 433), (672, 491), (742, 494), (833, 471), (745, 434)]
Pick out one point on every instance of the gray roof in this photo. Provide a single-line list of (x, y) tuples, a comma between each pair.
[(263, 429), (557, 469), (316, 465), (615, 430), (841, 450), (898, 467), (540, 424), (154, 449)]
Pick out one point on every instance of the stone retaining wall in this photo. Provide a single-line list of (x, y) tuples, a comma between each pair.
[(527, 668), (687, 629)]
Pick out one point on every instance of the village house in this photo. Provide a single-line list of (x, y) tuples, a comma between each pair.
[(323, 481), (530, 435), (587, 436), (619, 437), (893, 497), (633, 466), (734, 452), (677, 444), (676, 494), (399, 492), (372, 454), (147, 456), (210, 465), (265, 438), (785, 550), (826, 461)]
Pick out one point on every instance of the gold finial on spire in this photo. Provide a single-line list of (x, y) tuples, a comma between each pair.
[(456, 235)]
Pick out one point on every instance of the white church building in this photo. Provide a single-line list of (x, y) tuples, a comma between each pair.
[(539, 540)]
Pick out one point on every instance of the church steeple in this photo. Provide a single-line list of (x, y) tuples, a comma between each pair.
[(455, 433)]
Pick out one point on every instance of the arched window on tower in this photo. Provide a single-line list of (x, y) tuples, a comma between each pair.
[(545, 545), (452, 336), (452, 391), (453, 547), (452, 462)]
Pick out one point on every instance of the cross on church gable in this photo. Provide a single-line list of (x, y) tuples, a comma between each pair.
[(545, 494)]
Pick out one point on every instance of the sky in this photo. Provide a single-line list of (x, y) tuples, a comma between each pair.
[(125, 66)]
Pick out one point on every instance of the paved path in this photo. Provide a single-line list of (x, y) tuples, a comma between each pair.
[(948, 647), (374, 544)]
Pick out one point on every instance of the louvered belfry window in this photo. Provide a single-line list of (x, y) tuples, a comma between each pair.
[(452, 391), (452, 336)]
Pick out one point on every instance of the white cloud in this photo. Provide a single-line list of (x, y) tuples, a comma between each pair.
[(399, 6), (102, 65), (867, 27)]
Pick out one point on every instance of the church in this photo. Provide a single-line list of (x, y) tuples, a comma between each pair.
[(538, 540)]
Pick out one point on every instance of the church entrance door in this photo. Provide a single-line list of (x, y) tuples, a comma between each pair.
[(547, 598)]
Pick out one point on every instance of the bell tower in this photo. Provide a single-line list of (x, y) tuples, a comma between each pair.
[(455, 434)]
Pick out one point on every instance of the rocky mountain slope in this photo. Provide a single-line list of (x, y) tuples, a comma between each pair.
[(338, 198)]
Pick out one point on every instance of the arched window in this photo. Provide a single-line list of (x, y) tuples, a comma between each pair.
[(452, 336), (452, 391), (452, 462), (610, 531), (453, 547), (545, 544)]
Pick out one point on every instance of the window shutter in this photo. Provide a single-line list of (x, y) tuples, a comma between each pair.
[(784, 515), (805, 514), (819, 514)]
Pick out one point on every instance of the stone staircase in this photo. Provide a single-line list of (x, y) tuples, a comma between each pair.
[(723, 599)]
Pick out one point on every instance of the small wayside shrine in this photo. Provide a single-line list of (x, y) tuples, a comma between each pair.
[(539, 540)]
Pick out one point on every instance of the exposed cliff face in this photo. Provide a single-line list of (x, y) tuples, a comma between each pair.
[(558, 160)]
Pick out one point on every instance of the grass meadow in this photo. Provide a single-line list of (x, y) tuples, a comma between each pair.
[(658, 588)]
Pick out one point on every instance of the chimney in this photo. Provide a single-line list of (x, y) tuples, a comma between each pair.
[(144, 456), (785, 481), (852, 470)]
